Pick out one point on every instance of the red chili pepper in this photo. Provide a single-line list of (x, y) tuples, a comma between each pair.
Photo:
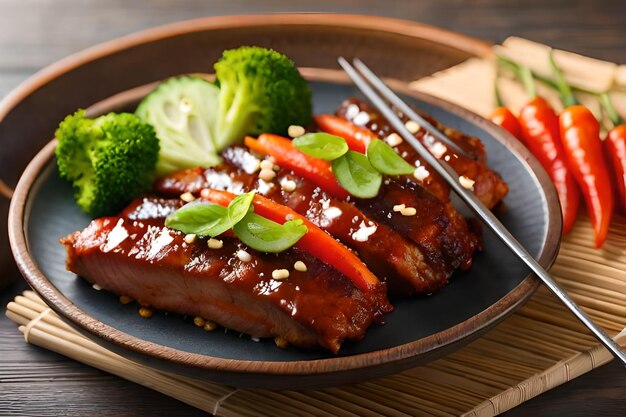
[(540, 130), (357, 137), (580, 135), (288, 156), (506, 120), (316, 242), (615, 152)]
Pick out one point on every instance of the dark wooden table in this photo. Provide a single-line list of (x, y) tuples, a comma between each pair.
[(34, 33)]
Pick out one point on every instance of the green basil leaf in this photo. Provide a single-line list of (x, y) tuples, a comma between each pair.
[(266, 235), (355, 173), (239, 207), (208, 219), (321, 145), (200, 218), (386, 160)]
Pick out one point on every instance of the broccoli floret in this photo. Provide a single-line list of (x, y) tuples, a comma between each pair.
[(257, 90), (108, 160), (260, 91), (183, 111)]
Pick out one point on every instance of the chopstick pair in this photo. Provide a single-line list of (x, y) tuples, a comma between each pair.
[(379, 94)]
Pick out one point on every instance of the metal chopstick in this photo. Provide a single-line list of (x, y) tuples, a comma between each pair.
[(452, 178)]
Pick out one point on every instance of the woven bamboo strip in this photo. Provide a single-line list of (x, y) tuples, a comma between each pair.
[(448, 387)]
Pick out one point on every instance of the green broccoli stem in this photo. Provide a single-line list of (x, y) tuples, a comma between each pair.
[(239, 119)]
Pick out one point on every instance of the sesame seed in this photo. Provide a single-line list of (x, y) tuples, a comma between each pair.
[(299, 266), (145, 312), (266, 164), (438, 150), (190, 238), (290, 216), (408, 211), (199, 321), (209, 326), (215, 243), (267, 174), (280, 342), (467, 182), (412, 126), (124, 299), (352, 111), (421, 173), (187, 197), (255, 339), (288, 185), (280, 274), (294, 131), (96, 287), (398, 207), (394, 139), (244, 256), (361, 119)]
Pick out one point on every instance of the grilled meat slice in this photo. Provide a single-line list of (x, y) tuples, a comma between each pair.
[(488, 185), (440, 232), (155, 266), (394, 257)]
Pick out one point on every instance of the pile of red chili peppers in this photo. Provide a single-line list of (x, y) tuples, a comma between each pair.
[(570, 149)]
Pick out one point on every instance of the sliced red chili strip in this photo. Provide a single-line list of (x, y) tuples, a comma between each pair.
[(316, 242), (358, 138), (288, 156)]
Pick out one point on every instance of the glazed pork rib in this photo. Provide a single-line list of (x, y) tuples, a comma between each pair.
[(412, 259), (137, 256), (488, 186)]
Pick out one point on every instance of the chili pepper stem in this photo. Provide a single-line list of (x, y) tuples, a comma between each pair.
[(496, 91), (527, 79), (607, 105), (567, 96)]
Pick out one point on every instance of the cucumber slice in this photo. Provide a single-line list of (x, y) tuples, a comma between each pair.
[(183, 112)]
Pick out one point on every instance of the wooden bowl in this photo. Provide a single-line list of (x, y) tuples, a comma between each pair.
[(420, 329)]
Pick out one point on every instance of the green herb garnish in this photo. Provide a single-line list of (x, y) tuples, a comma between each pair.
[(355, 173), (208, 219), (266, 235), (386, 160), (321, 145), (259, 233), (200, 218)]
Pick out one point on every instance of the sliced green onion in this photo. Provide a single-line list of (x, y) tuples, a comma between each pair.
[(266, 235), (355, 173), (386, 160), (321, 145)]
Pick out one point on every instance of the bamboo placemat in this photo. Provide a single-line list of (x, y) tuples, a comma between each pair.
[(534, 350)]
